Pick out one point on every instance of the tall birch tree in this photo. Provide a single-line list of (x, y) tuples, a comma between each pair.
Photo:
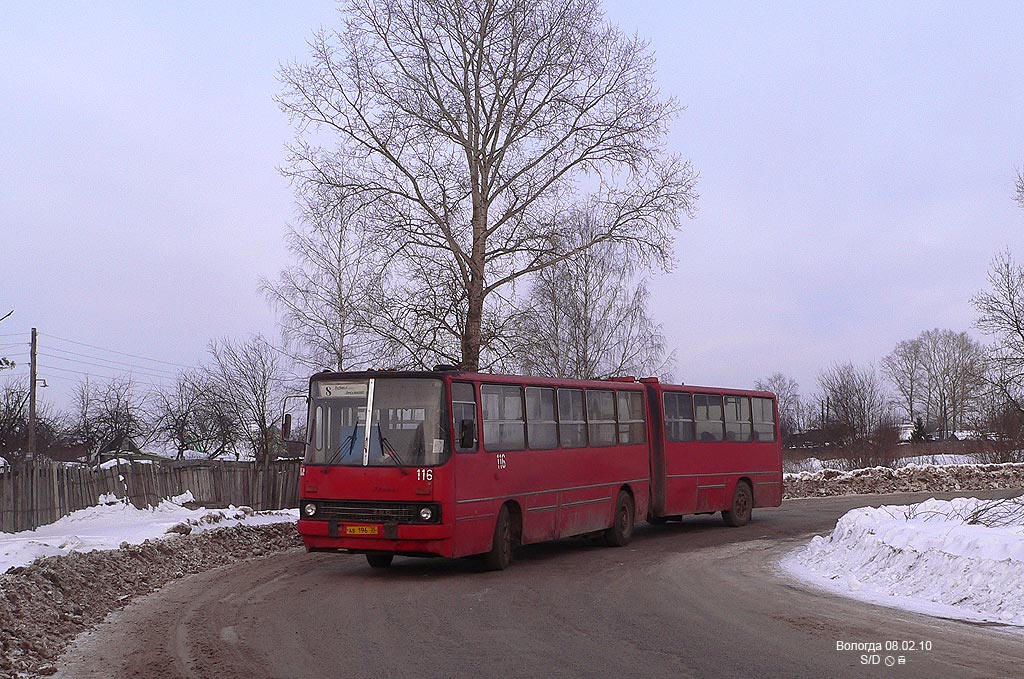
[(476, 131)]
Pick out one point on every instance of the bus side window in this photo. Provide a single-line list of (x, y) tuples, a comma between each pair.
[(708, 411), (737, 418), (764, 419), (601, 417), (572, 419), (678, 417), (504, 424), (632, 427), (464, 415), (541, 426)]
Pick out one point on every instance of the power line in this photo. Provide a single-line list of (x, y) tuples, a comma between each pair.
[(122, 353), (100, 375), (108, 367), (14, 334), (105, 377), (109, 360)]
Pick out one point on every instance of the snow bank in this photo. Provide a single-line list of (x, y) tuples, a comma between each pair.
[(944, 459), (910, 479), (123, 462), (44, 605), (962, 558), (108, 526), (813, 464)]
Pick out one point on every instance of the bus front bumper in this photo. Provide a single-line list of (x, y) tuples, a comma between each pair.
[(413, 539)]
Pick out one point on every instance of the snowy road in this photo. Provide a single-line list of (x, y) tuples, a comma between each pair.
[(684, 600)]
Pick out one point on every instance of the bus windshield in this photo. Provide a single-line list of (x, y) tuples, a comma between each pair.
[(407, 427)]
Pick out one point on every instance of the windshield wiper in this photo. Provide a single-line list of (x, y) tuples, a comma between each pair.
[(338, 457), (390, 450)]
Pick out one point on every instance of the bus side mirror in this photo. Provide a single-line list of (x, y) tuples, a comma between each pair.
[(467, 434), (286, 417)]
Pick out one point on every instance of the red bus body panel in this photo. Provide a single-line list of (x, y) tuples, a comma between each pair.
[(695, 477), (556, 493)]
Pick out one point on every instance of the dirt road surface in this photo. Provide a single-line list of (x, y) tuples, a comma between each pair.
[(692, 599)]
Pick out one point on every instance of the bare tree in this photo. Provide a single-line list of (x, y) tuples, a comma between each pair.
[(939, 375), (1019, 195), (421, 312), (587, 318), (474, 133), (905, 368), (1001, 316), (955, 365), (325, 296), (192, 416), (251, 378), (787, 394), (109, 412), (858, 405), (14, 395), (1000, 421), (13, 420)]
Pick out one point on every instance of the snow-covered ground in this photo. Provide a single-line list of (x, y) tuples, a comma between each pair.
[(813, 464), (113, 522), (912, 478), (961, 558)]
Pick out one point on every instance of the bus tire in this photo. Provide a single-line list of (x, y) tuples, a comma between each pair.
[(742, 505), (379, 560), (500, 556), (621, 531)]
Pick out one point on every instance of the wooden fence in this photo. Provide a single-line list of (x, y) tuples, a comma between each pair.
[(40, 492)]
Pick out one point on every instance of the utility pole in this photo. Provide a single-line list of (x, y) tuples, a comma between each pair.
[(32, 398)]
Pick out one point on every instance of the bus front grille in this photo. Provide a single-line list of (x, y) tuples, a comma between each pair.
[(372, 512)]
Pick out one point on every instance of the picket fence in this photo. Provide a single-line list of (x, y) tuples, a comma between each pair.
[(39, 492)]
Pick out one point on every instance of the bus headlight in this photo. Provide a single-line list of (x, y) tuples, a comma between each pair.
[(426, 513), (309, 509)]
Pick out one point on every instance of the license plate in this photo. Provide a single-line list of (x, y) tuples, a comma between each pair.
[(362, 530)]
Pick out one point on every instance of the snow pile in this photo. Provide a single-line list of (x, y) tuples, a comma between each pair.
[(961, 558), (941, 459), (44, 605), (123, 462), (110, 525), (813, 464), (910, 479)]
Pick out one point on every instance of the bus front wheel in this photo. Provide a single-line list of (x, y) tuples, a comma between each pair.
[(621, 531), (500, 556), (742, 504), (379, 560)]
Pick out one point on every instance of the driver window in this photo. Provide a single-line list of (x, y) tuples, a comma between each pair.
[(464, 416)]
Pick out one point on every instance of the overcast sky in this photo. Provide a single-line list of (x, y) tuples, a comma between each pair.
[(857, 163)]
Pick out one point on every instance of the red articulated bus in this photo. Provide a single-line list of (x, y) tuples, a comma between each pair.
[(453, 464)]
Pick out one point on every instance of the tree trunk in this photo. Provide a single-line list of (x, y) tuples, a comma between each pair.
[(475, 291)]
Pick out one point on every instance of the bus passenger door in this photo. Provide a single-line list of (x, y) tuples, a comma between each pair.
[(474, 507)]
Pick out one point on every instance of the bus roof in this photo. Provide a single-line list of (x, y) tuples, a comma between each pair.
[(612, 382)]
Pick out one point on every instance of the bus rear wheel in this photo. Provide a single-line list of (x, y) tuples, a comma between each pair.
[(742, 505), (379, 560), (621, 531), (500, 556)]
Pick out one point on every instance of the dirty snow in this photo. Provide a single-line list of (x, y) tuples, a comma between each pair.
[(910, 479), (123, 462), (114, 522), (813, 464), (45, 604), (961, 558)]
